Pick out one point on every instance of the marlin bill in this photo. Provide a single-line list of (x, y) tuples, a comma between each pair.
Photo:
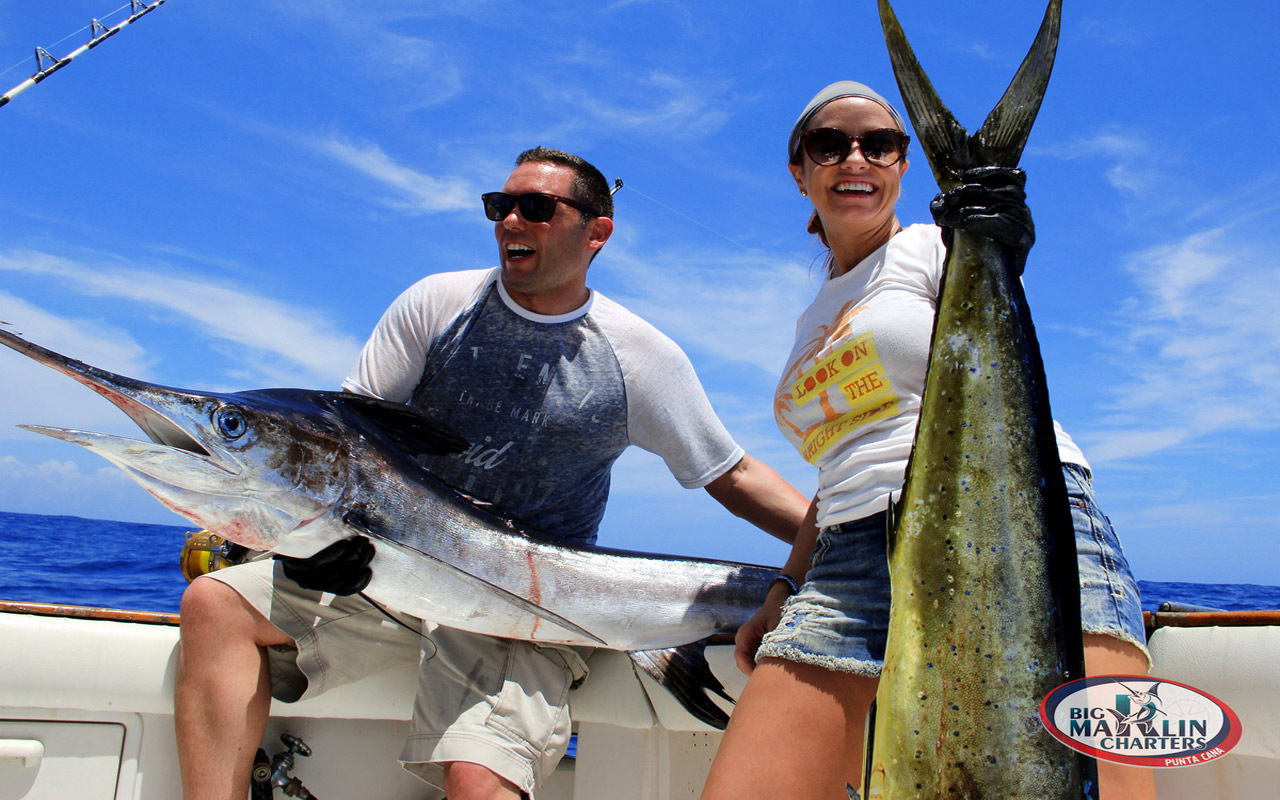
[(293, 470)]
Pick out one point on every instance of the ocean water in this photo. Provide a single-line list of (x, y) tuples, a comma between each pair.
[(89, 562)]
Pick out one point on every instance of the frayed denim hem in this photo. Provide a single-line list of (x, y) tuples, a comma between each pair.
[(852, 666)]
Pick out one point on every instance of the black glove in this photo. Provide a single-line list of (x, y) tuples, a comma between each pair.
[(341, 568), (989, 202)]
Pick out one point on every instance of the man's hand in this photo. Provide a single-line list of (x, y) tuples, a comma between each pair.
[(341, 568), (989, 202)]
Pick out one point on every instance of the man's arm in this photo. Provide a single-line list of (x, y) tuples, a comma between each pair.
[(753, 491)]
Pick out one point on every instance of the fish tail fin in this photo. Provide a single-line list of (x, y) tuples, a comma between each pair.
[(944, 140), (1005, 131), (1000, 140), (685, 673)]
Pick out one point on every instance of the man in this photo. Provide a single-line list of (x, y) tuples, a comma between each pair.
[(549, 382)]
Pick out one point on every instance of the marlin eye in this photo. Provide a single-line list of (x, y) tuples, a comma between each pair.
[(230, 423)]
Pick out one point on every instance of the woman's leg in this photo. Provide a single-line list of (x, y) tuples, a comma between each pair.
[(797, 731), (1107, 655)]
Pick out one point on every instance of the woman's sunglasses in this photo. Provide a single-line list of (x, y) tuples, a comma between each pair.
[(827, 146), (534, 206)]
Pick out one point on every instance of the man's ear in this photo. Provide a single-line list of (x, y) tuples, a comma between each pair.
[(599, 231)]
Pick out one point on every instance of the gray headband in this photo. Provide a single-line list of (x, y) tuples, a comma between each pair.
[(836, 91)]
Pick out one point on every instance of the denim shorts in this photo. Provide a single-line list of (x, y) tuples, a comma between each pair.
[(840, 617)]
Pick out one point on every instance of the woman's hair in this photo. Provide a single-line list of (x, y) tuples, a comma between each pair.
[(815, 226)]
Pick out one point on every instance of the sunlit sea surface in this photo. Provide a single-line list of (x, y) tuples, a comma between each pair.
[(89, 562)]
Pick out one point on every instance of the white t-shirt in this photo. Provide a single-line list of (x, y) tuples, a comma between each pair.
[(850, 395), (547, 402)]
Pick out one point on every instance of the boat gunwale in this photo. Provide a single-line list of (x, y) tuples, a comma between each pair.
[(88, 612), (1152, 619)]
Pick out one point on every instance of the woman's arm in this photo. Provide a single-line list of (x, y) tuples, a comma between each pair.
[(766, 619)]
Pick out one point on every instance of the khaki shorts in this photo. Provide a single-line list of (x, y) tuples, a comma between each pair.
[(500, 703)]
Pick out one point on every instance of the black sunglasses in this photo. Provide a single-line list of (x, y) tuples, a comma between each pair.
[(827, 146), (534, 206)]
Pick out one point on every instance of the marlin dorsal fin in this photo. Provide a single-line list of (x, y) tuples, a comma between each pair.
[(405, 426)]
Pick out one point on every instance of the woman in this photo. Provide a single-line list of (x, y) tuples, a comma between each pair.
[(814, 651)]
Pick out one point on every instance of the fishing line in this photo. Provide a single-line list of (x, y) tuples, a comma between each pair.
[(686, 216), (98, 33), (108, 15), (396, 620)]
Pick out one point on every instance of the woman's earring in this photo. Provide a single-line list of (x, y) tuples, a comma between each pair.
[(803, 193)]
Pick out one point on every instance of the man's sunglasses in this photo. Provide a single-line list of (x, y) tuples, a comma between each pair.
[(828, 146), (534, 206)]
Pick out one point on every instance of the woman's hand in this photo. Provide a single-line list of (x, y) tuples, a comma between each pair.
[(753, 630), (990, 202)]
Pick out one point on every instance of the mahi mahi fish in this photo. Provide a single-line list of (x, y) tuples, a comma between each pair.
[(293, 470), (985, 617)]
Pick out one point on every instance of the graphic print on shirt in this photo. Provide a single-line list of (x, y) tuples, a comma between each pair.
[(543, 407), (849, 384)]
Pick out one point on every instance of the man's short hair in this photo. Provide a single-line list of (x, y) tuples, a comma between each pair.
[(589, 185)]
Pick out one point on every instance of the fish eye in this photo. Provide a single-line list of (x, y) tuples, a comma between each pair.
[(230, 423)]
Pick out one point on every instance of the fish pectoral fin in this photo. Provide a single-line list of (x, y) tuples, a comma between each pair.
[(685, 673), (944, 140), (891, 517), (357, 522), (408, 428), (1005, 131)]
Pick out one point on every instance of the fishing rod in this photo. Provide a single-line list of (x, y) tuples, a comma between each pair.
[(99, 33)]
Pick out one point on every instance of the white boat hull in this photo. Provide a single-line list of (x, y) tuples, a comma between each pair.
[(94, 698)]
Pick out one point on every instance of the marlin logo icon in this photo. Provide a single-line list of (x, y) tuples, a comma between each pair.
[(1137, 709)]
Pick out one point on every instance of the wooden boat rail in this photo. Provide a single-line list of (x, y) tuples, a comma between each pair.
[(87, 612)]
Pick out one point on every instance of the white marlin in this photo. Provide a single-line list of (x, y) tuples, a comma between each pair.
[(293, 470)]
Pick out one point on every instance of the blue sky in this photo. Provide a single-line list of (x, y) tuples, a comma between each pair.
[(227, 195)]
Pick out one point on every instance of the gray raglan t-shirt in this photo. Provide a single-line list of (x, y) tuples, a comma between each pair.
[(548, 403)]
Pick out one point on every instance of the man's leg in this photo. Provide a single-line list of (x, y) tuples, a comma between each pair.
[(491, 719), (223, 690), (466, 781)]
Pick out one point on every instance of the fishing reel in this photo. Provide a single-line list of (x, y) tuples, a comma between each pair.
[(268, 776), (205, 552)]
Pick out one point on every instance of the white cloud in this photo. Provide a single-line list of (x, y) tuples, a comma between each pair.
[(63, 487), (372, 34), (419, 193), (33, 393), (1130, 164), (1201, 342), (658, 103), (1111, 31), (739, 307), (277, 331)]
